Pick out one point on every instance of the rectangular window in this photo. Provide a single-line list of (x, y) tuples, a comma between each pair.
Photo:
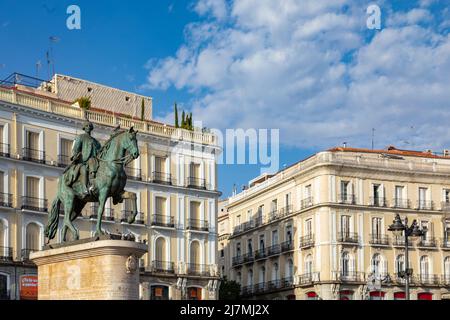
[(308, 227), (274, 237), (195, 170), (32, 140), (273, 205), (447, 195), (288, 233), (376, 194), (160, 205), (238, 220), (399, 198), (377, 229), (308, 192), (345, 191), (32, 187), (287, 200), (2, 177), (160, 164), (422, 198), (345, 225), (195, 210), (238, 249), (261, 242), (249, 246)]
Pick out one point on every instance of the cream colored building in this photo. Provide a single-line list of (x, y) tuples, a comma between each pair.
[(318, 229), (174, 180)]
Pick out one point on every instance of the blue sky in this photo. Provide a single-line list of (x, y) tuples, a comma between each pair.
[(309, 68)]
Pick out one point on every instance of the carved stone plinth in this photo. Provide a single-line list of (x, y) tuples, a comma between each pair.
[(95, 270)]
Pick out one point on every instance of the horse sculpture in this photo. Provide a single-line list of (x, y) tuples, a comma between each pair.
[(110, 181)]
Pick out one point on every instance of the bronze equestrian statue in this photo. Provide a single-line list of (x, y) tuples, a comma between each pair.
[(95, 174)]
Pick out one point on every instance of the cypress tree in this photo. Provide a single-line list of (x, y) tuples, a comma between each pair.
[(183, 121), (191, 126), (142, 109), (176, 116)]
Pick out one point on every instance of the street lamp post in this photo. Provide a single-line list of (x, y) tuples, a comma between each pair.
[(413, 231)]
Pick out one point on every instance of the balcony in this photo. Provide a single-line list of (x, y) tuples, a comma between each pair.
[(237, 260), (379, 240), (197, 224), (33, 155), (247, 290), (400, 242), (348, 237), (274, 250), (400, 203), (259, 288), (34, 204), (260, 254), (345, 198), (133, 173), (428, 242), (161, 178), (5, 150), (25, 254), (6, 200), (196, 183), (445, 206), (309, 278), (248, 257), (162, 266), (378, 202), (108, 214), (125, 214), (425, 205), (272, 285), (445, 243), (287, 210), (259, 221), (445, 280), (287, 246), (6, 254), (307, 202), (428, 279), (196, 269), (161, 220), (349, 276), (307, 241), (63, 161)]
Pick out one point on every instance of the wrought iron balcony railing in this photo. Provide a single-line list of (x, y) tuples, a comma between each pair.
[(260, 254), (35, 204), (162, 220), (6, 253), (5, 150), (197, 269), (259, 221), (349, 276), (429, 242), (133, 173), (348, 237), (307, 241), (274, 250), (162, 266), (378, 240), (6, 200), (346, 198), (25, 254), (33, 155), (445, 206), (162, 178), (287, 246), (125, 214), (400, 241), (259, 288), (248, 257), (428, 279), (425, 205), (401, 203), (445, 243), (308, 278), (378, 202), (63, 160), (247, 290), (307, 202), (197, 224), (196, 183), (445, 280), (237, 260)]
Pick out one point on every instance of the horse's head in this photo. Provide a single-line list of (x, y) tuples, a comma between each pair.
[(129, 143)]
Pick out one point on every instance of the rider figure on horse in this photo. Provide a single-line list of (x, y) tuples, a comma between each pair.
[(84, 151)]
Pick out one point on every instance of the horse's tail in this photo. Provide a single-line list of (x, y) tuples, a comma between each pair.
[(53, 219)]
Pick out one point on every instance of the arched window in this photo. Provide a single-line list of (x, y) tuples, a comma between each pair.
[(424, 267), (345, 264), (275, 272), (160, 250), (33, 237), (250, 277), (400, 263), (376, 267), (308, 264), (195, 252), (447, 270)]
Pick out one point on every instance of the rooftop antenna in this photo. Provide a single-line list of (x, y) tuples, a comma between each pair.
[(38, 66), (373, 137), (52, 39)]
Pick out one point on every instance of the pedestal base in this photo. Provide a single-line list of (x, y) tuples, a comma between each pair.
[(98, 270)]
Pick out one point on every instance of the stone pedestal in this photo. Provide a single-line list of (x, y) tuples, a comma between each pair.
[(95, 270)]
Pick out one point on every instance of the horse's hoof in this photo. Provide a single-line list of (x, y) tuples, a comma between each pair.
[(99, 233)]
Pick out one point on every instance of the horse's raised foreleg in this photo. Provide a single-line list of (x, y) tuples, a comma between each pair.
[(101, 206), (68, 207)]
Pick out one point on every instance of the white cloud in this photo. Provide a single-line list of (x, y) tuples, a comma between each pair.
[(307, 68), (217, 8)]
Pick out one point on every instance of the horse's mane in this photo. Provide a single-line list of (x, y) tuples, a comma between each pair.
[(104, 149)]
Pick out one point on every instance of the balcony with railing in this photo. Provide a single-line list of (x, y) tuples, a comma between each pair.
[(287, 246), (308, 278), (248, 257), (428, 279), (401, 203), (247, 291), (6, 254), (348, 237), (260, 254), (285, 211), (196, 183), (237, 260), (259, 221), (196, 269), (108, 215), (162, 266), (259, 288), (445, 280), (197, 224), (445, 206), (425, 205), (25, 254), (400, 241), (307, 241), (126, 214), (161, 178), (445, 243), (5, 150), (345, 198), (63, 160), (33, 155), (378, 240), (133, 173), (427, 243), (307, 202), (34, 204), (161, 220), (6, 200), (274, 250), (377, 202), (349, 276)]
